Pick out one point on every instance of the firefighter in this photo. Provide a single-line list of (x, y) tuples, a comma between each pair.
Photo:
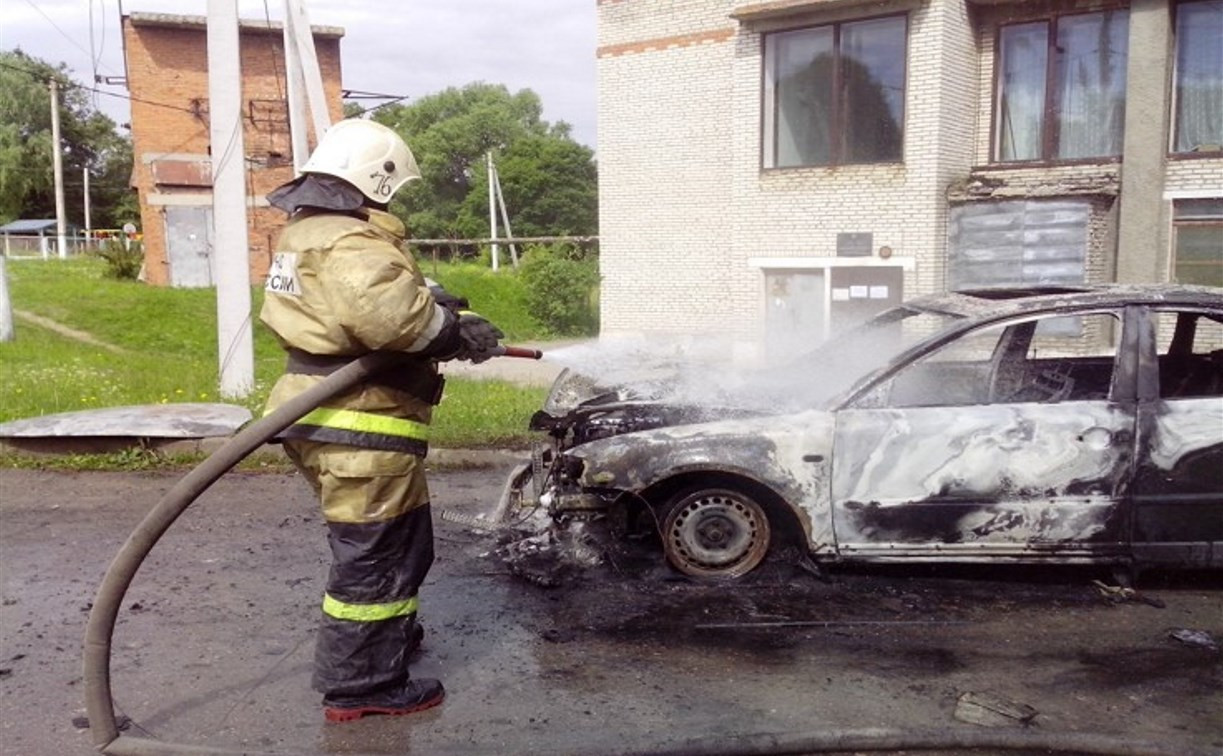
[(342, 285)]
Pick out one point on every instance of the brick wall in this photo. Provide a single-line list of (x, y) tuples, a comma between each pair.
[(685, 205), (1101, 179), (167, 76), (684, 201), (1194, 174)]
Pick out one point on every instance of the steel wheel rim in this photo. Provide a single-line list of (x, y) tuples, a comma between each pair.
[(716, 533)]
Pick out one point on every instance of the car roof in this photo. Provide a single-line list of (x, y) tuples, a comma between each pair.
[(994, 302)]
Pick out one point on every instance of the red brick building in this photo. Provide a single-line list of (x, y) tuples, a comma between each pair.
[(167, 76)]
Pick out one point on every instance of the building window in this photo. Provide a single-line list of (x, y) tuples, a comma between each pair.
[(1061, 88), (1199, 77), (835, 94), (1198, 250)]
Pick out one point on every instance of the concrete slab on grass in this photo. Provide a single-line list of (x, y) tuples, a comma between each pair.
[(185, 420)]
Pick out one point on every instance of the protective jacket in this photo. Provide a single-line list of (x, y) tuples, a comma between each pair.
[(340, 286)]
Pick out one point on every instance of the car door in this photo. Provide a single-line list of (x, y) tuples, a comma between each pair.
[(1013, 440), (1178, 491)]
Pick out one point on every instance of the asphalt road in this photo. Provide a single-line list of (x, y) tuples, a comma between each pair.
[(214, 642)]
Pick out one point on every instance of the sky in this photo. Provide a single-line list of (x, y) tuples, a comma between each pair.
[(398, 47)]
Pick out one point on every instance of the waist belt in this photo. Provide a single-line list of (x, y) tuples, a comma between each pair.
[(411, 375)]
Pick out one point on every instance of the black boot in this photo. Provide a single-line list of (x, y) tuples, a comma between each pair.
[(415, 636), (412, 696)]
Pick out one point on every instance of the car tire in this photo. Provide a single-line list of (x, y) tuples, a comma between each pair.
[(719, 533)]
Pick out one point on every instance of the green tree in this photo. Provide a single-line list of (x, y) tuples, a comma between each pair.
[(550, 186), (549, 180), (89, 140)]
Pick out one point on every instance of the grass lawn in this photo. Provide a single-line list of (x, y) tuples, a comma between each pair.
[(165, 349)]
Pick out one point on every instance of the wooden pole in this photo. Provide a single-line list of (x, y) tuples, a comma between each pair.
[(492, 211), (6, 306), (57, 162), (505, 217), (88, 219)]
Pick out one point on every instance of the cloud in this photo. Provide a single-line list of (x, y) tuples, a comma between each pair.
[(412, 48)]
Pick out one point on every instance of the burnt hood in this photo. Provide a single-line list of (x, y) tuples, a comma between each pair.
[(580, 409)]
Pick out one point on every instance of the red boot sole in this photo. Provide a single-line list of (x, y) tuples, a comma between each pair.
[(335, 714)]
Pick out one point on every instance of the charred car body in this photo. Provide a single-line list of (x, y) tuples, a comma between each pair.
[(1072, 425)]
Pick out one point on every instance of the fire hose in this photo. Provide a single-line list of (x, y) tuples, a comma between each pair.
[(99, 632)]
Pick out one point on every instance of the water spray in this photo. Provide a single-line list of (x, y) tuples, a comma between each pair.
[(99, 631)]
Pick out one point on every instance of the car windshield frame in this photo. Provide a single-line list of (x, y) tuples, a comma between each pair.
[(866, 351)]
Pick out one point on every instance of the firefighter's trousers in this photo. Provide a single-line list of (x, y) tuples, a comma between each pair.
[(376, 505)]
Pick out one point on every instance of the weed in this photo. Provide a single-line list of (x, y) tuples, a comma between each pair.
[(124, 259)]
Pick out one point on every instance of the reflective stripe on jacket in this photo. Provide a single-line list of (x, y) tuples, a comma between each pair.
[(340, 287), (363, 429)]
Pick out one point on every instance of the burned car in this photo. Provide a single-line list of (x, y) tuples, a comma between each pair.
[(1071, 425)]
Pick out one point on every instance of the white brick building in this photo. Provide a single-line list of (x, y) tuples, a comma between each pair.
[(770, 171)]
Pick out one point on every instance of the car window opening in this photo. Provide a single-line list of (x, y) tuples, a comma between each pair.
[(1191, 364)]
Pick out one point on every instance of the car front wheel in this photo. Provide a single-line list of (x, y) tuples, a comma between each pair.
[(715, 533)]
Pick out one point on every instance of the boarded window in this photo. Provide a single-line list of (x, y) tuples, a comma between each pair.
[(1020, 243)]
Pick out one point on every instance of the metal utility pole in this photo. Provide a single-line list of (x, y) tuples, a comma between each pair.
[(57, 161), (492, 211), (231, 250)]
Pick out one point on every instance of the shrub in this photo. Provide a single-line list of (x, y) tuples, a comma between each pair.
[(562, 288), (123, 259), (501, 297)]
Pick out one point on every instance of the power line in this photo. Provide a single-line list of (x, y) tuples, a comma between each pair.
[(96, 51), (267, 16), (379, 106), (61, 31), (280, 90), (45, 78), (93, 52)]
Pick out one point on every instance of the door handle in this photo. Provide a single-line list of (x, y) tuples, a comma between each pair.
[(813, 457), (1096, 438)]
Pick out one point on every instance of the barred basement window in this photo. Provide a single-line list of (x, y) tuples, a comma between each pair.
[(1198, 250), (835, 94)]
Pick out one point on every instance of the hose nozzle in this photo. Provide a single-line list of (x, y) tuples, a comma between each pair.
[(520, 352)]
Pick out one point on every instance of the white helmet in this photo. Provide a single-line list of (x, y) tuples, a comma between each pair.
[(367, 155)]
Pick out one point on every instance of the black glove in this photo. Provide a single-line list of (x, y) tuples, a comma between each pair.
[(479, 337), (445, 298)]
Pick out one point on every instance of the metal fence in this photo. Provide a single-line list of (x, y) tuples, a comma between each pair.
[(45, 247)]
